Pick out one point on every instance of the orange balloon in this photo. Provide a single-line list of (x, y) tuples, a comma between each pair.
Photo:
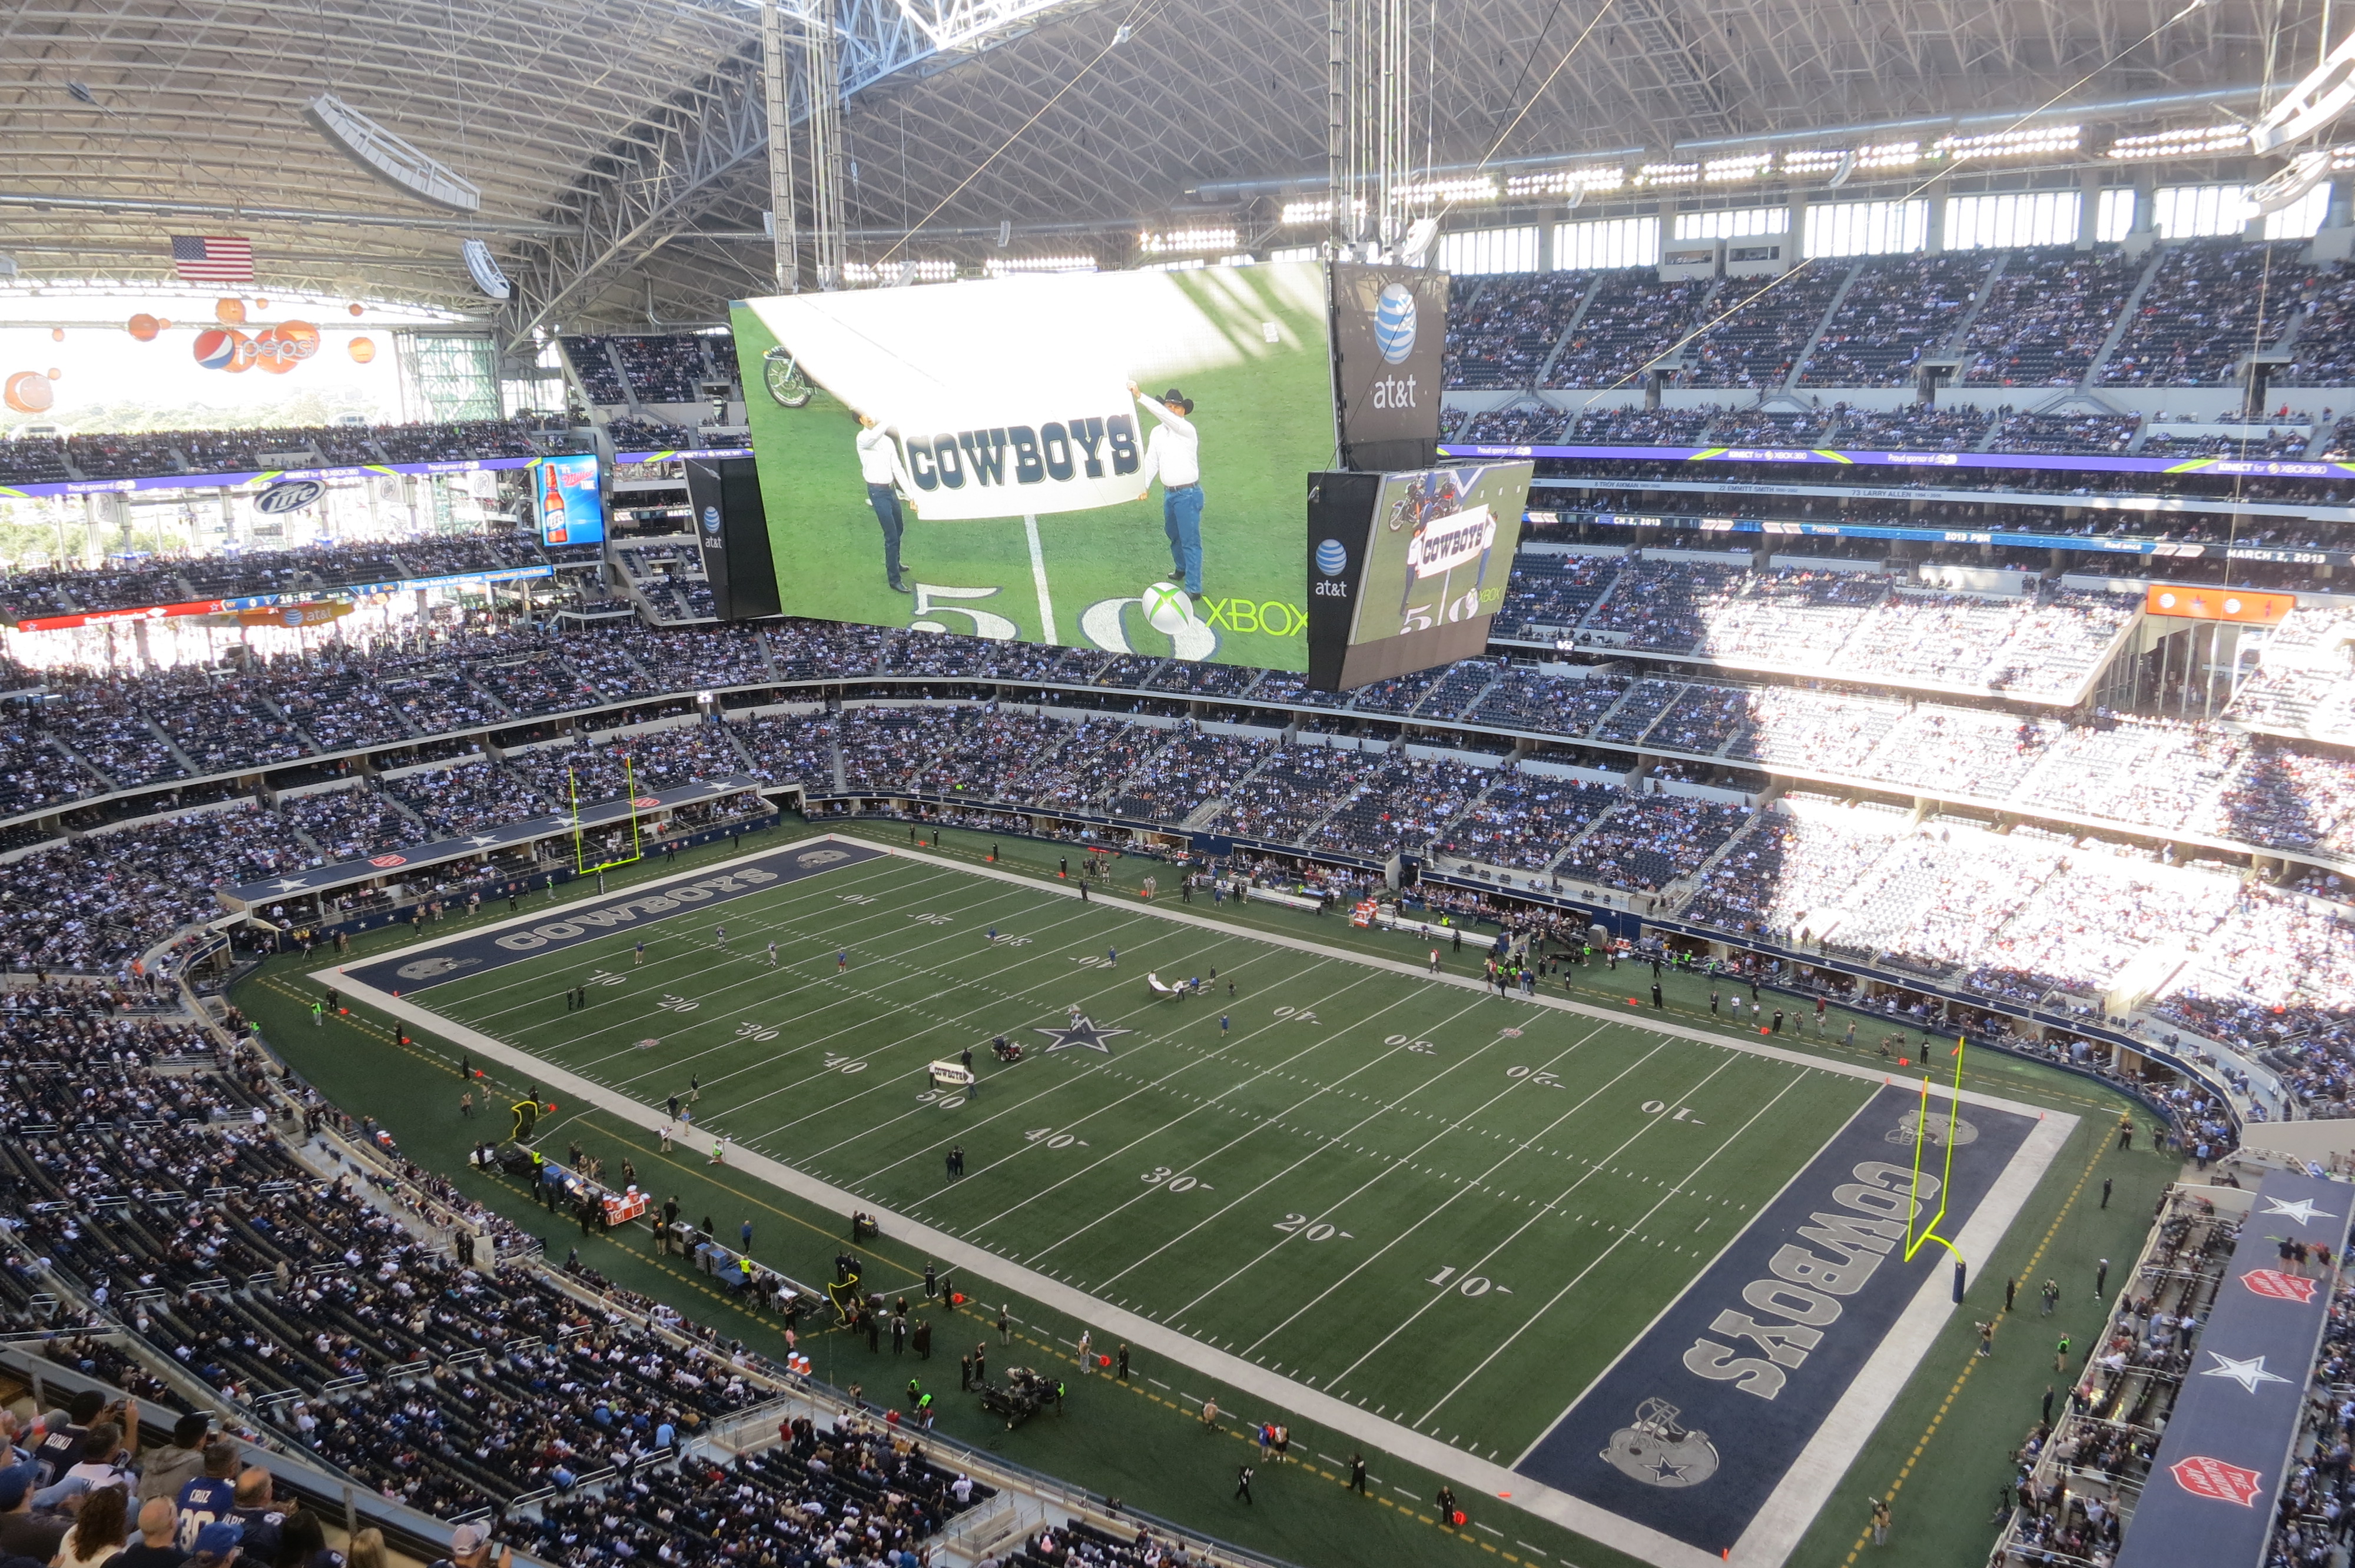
[(270, 353), (230, 312), (363, 349), (57, 334), (55, 374), (298, 339), (261, 304), (27, 392), (163, 322), (355, 309), (144, 327)]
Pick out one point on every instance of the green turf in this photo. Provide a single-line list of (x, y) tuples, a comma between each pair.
[(1281, 1173), (1140, 1442), (1265, 414)]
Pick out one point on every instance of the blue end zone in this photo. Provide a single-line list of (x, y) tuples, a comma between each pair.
[(516, 940), (1695, 1426)]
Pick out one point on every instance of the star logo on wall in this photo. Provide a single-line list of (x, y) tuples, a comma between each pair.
[(2247, 1374), (1080, 1032), (2303, 1211)]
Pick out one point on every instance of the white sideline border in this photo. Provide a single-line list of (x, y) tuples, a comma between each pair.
[(1781, 1521)]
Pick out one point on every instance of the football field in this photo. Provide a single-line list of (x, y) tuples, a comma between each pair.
[(1451, 1216)]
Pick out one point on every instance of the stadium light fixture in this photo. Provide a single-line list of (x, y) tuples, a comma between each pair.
[(1179, 241), (1669, 174), (1574, 183), (1748, 166), (1453, 188), (2319, 97), (2197, 141), (1001, 266), (2031, 142), (931, 271)]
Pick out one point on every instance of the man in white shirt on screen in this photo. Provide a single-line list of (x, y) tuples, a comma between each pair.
[(1174, 451), (879, 466)]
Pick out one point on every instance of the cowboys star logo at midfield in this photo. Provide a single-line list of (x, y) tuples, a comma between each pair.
[(1659, 1453), (1081, 1031)]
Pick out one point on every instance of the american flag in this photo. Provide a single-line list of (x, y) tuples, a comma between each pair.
[(212, 259)]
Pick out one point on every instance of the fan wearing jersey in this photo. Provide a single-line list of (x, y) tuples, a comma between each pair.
[(260, 1516), (212, 1496)]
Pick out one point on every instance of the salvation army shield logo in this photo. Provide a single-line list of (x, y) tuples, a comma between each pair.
[(2279, 1287), (1659, 1453), (1936, 1130), (2205, 1477)]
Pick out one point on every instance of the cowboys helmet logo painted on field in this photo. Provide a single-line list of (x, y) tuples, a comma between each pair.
[(1394, 322), (821, 857), (1659, 1453), (1942, 1128), (432, 968)]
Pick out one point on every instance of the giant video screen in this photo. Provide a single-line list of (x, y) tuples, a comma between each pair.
[(1408, 569), (1441, 549), (1108, 461)]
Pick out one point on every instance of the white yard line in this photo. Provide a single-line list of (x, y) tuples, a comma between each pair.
[(1779, 1525), (1648, 1124), (1596, 1261), (1327, 1211), (1261, 1123)]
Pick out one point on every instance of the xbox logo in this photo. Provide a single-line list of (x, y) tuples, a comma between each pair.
[(1167, 608), (1331, 558)]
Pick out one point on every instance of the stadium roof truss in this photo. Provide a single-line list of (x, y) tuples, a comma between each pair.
[(620, 147)]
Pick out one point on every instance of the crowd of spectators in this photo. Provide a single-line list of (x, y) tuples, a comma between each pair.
[(2047, 317), (1635, 426), (658, 368), (1760, 329), (2304, 679), (1649, 841), (1896, 309), (2210, 303), (1959, 428), (2324, 350), (1632, 320), (1500, 335), (132, 454), (32, 459), (89, 902), (1856, 625)]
